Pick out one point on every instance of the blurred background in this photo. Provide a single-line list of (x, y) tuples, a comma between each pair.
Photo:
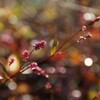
[(74, 73)]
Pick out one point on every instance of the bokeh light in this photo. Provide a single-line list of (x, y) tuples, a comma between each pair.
[(12, 85), (1, 77), (26, 97), (13, 19), (50, 70), (65, 75), (76, 93), (88, 61), (28, 71), (23, 88), (89, 16), (15, 66)]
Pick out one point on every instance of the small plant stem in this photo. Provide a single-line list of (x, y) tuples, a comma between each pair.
[(4, 69), (18, 73), (75, 34), (61, 46), (23, 69), (28, 58), (31, 52), (70, 45), (68, 40)]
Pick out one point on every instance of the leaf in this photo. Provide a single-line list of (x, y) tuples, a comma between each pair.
[(54, 45), (4, 69)]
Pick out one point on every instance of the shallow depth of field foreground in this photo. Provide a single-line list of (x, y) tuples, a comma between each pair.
[(49, 49)]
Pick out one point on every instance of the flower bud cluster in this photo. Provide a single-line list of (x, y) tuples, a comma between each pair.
[(40, 44), (11, 61), (84, 37), (25, 55), (37, 70), (84, 28)]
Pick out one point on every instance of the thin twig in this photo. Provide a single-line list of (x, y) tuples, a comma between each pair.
[(89, 24), (28, 58), (70, 45), (75, 34), (61, 46), (4, 69), (18, 73)]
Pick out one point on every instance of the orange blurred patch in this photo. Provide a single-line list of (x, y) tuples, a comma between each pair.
[(90, 76), (76, 59), (59, 56), (96, 34)]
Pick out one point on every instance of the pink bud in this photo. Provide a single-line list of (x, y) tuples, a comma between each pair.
[(98, 95), (80, 39), (46, 75), (8, 78), (25, 55), (88, 35), (38, 69), (33, 65), (48, 85), (84, 28), (42, 44), (39, 45), (11, 60)]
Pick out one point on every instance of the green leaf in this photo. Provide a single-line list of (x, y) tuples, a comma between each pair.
[(54, 45), (4, 70)]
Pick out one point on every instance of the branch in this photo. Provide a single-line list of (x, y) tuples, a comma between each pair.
[(22, 70), (4, 69), (75, 34)]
